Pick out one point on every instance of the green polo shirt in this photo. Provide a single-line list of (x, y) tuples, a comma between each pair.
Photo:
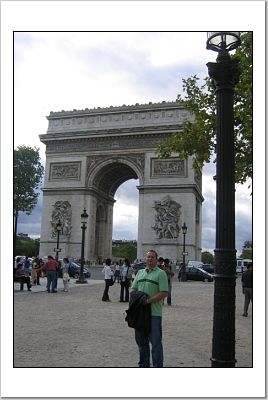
[(151, 283)]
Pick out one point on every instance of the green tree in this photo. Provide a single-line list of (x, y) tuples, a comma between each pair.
[(207, 257), (198, 138), (125, 251), (247, 250), (29, 247), (28, 173)]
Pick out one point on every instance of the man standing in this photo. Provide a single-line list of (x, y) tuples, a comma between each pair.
[(153, 282), (247, 287), (51, 268)]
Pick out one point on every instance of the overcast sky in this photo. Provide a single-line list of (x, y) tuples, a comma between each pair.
[(56, 71)]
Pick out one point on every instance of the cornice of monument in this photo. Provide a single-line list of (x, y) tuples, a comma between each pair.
[(110, 120), (113, 109)]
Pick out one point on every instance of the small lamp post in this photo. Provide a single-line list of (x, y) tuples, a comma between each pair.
[(84, 217), (59, 230), (183, 274), (224, 74)]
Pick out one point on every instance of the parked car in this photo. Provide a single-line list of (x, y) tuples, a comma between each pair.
[(74, 271), (209, 268), (197, 274)]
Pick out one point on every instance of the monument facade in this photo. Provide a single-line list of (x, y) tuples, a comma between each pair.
[(90, 153)]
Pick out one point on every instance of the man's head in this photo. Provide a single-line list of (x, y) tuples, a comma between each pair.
[(160, 261), (151, 259), (249, 266), (166, 261)]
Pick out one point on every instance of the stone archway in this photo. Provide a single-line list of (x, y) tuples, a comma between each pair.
[(90, 153)]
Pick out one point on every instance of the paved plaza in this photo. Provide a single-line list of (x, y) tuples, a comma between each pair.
[(77, 329)]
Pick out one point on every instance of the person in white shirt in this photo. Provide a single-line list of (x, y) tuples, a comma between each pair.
[(108, 276)]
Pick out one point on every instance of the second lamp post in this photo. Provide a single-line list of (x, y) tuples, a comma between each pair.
[(84, 217), (183, 274)]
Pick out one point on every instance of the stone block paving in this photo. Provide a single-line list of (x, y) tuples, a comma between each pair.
[(77, 329)]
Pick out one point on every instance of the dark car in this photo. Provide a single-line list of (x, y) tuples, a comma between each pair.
[(197, 274), (74, 271), (208, 268)]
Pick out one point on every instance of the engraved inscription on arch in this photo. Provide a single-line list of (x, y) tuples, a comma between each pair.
[(65, 171), (169, 167)]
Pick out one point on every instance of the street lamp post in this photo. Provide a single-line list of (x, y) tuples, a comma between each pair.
[(224, 74), (183, 274), (84, 217), (59, 230)]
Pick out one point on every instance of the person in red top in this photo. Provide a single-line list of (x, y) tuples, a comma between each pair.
[(51, 268)]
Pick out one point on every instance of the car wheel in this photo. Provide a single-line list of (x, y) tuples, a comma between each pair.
[(76, 275), (206, 280)]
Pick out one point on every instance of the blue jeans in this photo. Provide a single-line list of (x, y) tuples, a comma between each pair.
[(51, 280), (155, 338)]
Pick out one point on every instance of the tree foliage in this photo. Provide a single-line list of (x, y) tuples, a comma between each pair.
[(207, 257), (28, 172), (198, 138), (126, 250), (29, 247)]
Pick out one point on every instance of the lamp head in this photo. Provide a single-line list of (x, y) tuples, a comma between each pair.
[(84, 217), (184, 228), (58, 226), (226, 41)]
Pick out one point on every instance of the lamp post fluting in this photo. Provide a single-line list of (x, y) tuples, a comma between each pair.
[(183, 274), (224, 74), (59, 230), (84, 217)]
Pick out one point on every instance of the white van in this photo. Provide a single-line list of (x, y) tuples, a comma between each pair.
[(241, 264)]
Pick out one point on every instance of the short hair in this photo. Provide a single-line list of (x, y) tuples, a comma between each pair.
[(166, 260), (108, 261), (160, 259), (50, 257), (152, 251)]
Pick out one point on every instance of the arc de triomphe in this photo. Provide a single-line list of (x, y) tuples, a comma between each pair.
[(90, 153)]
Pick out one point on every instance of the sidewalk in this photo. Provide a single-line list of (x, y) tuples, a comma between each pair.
[(77, 329)]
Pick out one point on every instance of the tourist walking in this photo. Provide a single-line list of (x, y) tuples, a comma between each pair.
[(51, 267), (247, 287), (65, 274), (125, 281), (152, 281), (108, 277)]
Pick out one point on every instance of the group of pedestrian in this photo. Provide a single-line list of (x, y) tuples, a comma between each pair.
[(30, 272), (121, 274)]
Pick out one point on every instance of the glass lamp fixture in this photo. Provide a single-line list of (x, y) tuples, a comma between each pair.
[(184, 228), (84, 217), (225, 41)]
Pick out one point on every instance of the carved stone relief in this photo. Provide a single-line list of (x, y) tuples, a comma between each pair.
[(62, 213), (167, 218), (167, 167), (65, 171)]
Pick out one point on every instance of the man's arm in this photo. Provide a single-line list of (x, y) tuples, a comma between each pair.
[(157, 297)]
